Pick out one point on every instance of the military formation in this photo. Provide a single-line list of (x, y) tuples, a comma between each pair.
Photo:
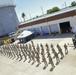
[(38, 53)]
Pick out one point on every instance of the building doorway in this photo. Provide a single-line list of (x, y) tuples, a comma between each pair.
[(65, 27)]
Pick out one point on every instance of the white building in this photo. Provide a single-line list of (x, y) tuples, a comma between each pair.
[(62, 21), (8, 18)]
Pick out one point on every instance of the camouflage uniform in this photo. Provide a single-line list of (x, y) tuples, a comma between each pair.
[(66, 49), (51, 61), (60, 51), (55, 54)]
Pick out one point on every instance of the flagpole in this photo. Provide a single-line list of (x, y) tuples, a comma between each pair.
[(42, 11)]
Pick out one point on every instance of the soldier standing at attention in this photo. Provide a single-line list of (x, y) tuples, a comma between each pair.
[(66, 49), (38, 49), (60, 51), (51, 62), (44, 60), (33, 56), (48, 51), (55, 54), (42, 51), (38, 58)]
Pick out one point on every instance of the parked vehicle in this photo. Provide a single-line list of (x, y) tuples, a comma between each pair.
[(12, 40), (11, 34)]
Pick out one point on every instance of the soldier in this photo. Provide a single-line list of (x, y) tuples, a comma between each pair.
[(55, 54), (32, 42), (42, 50), (15, 52), (51, 62), (30, 48), (7, 51), (38, 49), (74, 41), (4, 50), (1, 51), (33, 56), (66, 49), (28, 52), (19, 51), (47, 48), (38, 58), (38, 54), (23, 52), (26, 49), (29, 55), (33, 46), (12, 51), (44, 60), (60, 51)]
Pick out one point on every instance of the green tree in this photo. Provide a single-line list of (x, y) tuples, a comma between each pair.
[(49, 11), (23, 16), (73, 3), (54, 9), (37, 16)]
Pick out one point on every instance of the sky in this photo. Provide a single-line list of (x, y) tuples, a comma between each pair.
[(31, 8)]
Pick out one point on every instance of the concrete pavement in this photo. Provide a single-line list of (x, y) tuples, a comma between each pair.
[(67, 66)]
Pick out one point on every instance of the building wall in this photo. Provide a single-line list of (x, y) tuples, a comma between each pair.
[(73, 23), (8, 20), (49, 18), (71, 19)]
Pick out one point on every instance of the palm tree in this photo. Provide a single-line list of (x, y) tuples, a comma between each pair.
[(23, 16)]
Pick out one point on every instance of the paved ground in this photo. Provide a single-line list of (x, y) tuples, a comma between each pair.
[(67, 66)]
